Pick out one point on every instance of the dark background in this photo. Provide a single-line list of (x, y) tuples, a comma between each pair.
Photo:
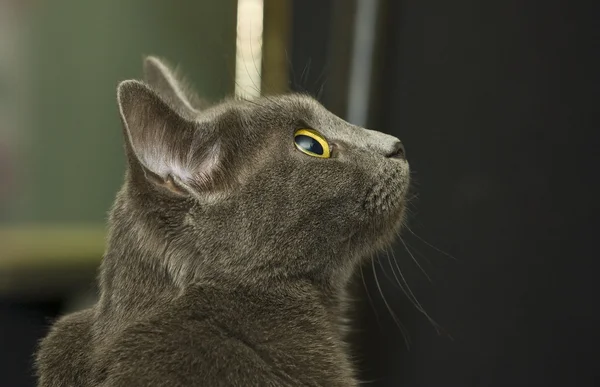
[(497, 103)]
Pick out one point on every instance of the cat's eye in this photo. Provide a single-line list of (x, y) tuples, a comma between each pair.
[(312, 143)]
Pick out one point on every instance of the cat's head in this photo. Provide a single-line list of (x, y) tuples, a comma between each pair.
[(270, 188)]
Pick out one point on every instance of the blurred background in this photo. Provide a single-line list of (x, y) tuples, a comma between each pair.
[(496, 102)]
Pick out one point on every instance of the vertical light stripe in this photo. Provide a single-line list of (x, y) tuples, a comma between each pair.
[(248, 61)]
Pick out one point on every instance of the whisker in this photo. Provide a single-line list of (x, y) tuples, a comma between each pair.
[(409, 294), (429, 244), (362, 276), (254, 63), (292, 80), (321, 75), (321, 89), (412, 296), (420, 254), (414, 259), (401, 326), (305, 71), (412, 197), (256, 88), (383, 268)]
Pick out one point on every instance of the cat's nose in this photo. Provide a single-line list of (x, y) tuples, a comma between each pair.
[(397, 151), (384, 144)]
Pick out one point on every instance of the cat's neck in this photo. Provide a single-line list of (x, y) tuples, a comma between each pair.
[(135, 275)]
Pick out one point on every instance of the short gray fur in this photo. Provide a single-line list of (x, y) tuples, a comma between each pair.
[(229, 250)]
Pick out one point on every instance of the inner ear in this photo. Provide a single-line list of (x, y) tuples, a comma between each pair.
[(167, 183), (173, 151)]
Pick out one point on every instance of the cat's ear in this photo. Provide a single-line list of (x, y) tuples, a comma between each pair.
[(170, 87), (174, 150)]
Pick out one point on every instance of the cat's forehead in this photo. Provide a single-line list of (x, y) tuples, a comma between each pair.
[(293, 109), (273, 115), (305, 110)]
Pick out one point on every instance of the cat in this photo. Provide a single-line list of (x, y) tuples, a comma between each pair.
[(230, 244)]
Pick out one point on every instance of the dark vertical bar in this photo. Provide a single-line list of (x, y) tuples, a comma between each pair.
[(310, 44), (335, 79), (496, 103)]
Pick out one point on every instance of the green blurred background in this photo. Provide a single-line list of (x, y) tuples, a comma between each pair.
[(61, 154), (74, 156)]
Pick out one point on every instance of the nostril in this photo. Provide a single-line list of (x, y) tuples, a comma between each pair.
[(398, 152)]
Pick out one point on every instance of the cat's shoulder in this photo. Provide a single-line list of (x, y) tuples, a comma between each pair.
[(63, 355), (174, 349)]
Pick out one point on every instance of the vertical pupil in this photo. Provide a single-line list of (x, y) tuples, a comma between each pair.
[(309, 144)]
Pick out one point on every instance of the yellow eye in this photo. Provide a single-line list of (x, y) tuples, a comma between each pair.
[(312, 143)]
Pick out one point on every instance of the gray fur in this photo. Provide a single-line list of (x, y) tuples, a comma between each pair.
[(229, 250)]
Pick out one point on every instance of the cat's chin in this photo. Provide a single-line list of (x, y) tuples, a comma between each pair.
[(382, 231), (395, 221)]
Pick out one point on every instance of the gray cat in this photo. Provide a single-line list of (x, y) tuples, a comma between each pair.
[(230, 244)]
